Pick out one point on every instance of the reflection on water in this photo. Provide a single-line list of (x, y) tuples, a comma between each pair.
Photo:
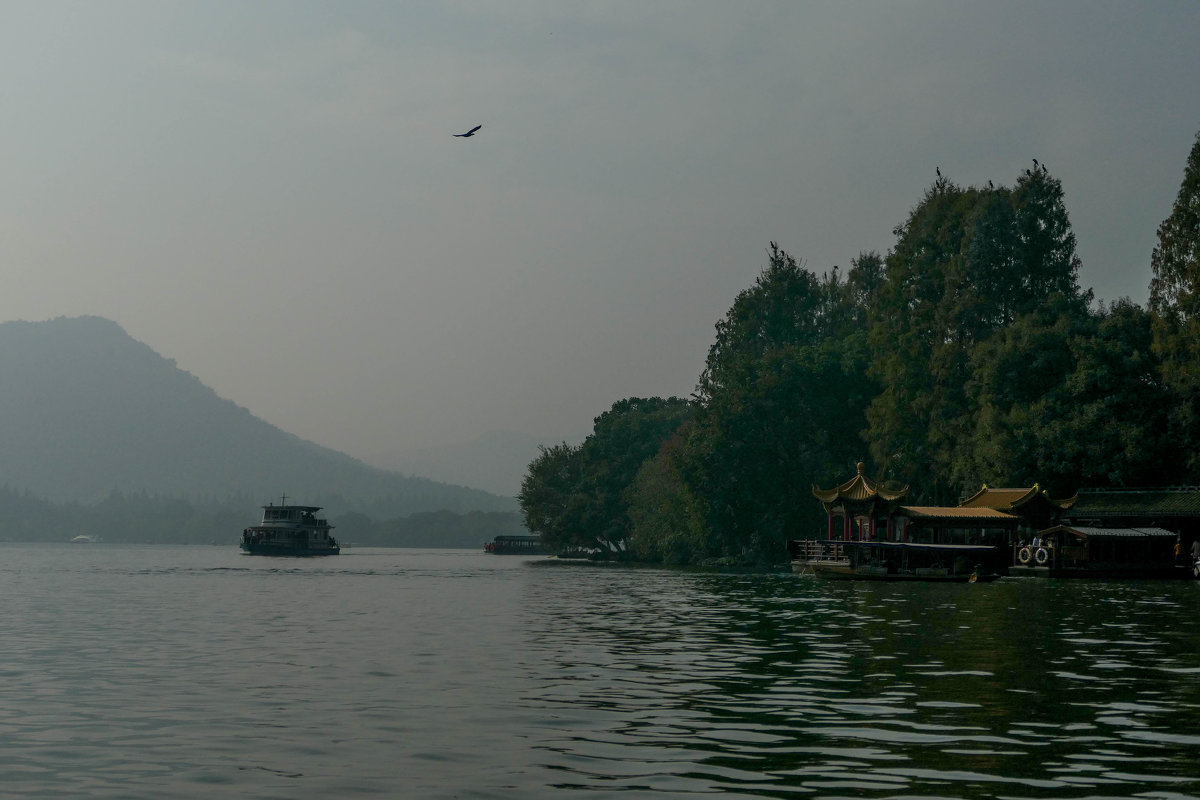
[(177, 672), (777, 686)]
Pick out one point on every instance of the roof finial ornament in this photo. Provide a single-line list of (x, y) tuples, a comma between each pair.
[(861, 468)]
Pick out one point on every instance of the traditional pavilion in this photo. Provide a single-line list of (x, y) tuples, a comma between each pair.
[(1032, 506), (862, 510), (862, 505)]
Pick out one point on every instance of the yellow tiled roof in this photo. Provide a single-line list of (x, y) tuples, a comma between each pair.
[(860, 487), (955, 512), (1010, 498)]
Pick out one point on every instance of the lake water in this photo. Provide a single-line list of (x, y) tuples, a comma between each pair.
[(159, 672)]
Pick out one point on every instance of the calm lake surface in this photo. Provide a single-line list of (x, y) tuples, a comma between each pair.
[(155, 672)]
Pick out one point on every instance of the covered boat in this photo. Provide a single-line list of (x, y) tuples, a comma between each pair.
[(1083, 551), (516, 545), (873, 535), (290, 531)]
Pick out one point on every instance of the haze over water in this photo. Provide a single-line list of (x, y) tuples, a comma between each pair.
[(198, 672)]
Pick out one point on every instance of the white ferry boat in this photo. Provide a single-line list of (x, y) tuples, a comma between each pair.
[(290, 531)]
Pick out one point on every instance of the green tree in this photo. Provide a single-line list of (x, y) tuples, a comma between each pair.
[(549, 497), (967, 263), (667, 519), (1175, 303), (575, 497), (781, 401), (622, 440), (1067, 401)]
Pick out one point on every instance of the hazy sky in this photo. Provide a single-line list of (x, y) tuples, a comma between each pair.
[(269, 193)]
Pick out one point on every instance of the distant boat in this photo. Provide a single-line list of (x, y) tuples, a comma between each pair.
[(82, 540), (290, 531), (517, 546)]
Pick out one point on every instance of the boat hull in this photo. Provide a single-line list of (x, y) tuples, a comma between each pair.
[(265, 549), (845, 572), (1131, 572)]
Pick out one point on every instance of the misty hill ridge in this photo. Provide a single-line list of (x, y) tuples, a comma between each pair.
[(86, 409)]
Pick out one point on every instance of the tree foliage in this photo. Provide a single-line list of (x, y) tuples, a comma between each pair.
[(575, 497), (967, 264), (1175, 303), (969, 354), (781, 400)]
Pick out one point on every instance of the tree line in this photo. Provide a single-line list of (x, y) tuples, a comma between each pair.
[(968, 354)]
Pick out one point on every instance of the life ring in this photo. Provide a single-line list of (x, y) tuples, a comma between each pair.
[(1023, 555), (1040, 556)]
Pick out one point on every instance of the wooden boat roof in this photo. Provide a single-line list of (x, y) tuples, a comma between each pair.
[(1088, 532)]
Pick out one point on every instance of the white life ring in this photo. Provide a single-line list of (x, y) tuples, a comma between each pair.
[(1040, 556), (1023, 555)]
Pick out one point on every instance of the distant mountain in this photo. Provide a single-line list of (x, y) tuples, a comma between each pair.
[(495, 461), (85, 410)]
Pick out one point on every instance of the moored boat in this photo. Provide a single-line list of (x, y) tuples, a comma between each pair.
[(1083, 551), (290, 531), (873, 535), (516, 546), (912, 561)]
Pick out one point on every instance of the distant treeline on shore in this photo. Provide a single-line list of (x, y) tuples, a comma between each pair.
[(152, 519), (969, 354)]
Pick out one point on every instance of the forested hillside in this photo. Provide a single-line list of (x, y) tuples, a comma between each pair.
[(968, 354), (85, 410)]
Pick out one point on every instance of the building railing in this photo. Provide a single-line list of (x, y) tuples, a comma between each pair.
[(818, 550)]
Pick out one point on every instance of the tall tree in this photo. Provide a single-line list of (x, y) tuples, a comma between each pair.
[(781, 402), (668, 521), (622, 440), (549, 496), (1175, 302), (967, 262), (576, 496)]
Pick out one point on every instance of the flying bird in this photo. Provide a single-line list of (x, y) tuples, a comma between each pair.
[(468, 133)]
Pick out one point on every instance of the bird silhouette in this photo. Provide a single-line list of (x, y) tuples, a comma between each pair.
[(990, 186), (468, 133), (1035, 163), (1044, 168), (939, 171)]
